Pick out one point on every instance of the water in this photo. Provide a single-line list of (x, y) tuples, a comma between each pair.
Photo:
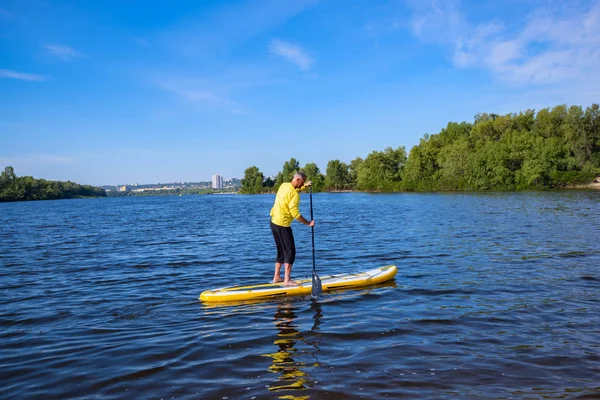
[(497, 296)]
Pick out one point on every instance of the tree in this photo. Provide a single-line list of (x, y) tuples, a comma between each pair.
[(337, 175), (553, 148), (269, 183), (314, 174), (13, 188), (548, 122), (422, 168), (453, 161), (353, 171), (382, 170), (591, 121), (289, 169), (253, 181)]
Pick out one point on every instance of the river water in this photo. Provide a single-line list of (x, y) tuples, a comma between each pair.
[(497, 296)]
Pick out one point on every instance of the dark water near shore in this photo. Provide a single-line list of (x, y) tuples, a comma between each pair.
[(497, 296)]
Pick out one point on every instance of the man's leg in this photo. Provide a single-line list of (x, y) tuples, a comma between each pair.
[(288, 251), (276, 277), (279, 258), (287, 281)]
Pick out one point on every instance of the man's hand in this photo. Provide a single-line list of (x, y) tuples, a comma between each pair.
[(311, 223), (309, 183)]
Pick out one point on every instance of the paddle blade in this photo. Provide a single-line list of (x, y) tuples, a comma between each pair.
[(317, 287)]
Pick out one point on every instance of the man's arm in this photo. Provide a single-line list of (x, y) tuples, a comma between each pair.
[(303, 188), (296, 214), (301, 218), (305, 221)]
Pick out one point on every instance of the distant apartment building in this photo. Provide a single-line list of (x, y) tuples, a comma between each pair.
[(217, 182)]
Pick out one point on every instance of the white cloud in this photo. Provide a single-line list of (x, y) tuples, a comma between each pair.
[(225, 90), (202, 92), (464, 56), (228, 25), (8, 73), (436, 19), (65, 53), (291, 53), (554, 46)]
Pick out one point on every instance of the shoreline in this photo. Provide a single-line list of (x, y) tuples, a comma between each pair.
[(592, 185)]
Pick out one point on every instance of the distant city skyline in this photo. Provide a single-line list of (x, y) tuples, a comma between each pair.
[(217, 181), (198, 181), (117, 92)]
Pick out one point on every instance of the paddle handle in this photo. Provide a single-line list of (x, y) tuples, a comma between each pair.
[(312, 230)]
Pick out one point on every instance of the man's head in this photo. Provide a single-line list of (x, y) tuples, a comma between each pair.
[(298, 179)]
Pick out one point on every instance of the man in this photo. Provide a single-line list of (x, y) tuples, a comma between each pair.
[(283, 213)]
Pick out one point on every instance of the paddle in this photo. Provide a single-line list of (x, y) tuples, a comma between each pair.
[(317, 287)]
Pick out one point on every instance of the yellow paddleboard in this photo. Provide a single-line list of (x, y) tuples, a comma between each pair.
[(274, 290)]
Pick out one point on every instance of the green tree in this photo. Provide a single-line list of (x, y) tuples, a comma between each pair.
[(13, 188), (526, 150), (314, 174), (269, 183), (382, 170), (548, 122), (591, 122), (289, 169), (337, 175), (454, 160), (253, 181), (422, 167), (353, 172)]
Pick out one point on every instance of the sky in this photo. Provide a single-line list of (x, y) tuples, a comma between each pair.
[(121, 92)]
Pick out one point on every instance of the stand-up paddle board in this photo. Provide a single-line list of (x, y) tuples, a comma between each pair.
[(274, 290)]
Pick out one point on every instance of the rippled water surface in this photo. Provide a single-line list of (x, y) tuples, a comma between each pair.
[(497, 296)]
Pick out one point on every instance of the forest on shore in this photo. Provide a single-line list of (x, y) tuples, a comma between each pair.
[(14, 188), (553, 148)]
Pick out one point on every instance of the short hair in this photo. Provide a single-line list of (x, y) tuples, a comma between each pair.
[(300, 174)]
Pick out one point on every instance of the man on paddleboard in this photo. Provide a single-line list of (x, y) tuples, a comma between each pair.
[(284, 211)]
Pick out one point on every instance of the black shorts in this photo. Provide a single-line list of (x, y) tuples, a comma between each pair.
[(284, 240)]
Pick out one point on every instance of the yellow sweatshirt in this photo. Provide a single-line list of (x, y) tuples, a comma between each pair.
[(286, 205)]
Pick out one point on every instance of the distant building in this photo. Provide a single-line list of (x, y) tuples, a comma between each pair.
[(122, 188), (217, 182)]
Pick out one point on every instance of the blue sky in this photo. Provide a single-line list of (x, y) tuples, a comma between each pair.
[(121, 92)]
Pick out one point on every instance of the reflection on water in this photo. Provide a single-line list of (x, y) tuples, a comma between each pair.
[(292, 373)]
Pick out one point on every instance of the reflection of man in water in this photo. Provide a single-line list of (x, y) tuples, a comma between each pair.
[(291, 376)]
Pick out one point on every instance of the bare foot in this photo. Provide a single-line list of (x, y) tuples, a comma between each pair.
[(291, 283), (278, 280)]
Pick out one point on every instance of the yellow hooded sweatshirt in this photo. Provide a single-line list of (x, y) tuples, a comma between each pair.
[(285, 209)]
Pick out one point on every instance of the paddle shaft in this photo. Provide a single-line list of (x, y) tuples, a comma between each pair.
[(312, 229)]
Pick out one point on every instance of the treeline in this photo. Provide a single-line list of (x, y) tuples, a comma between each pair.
[(552, 148), (13, 188)]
